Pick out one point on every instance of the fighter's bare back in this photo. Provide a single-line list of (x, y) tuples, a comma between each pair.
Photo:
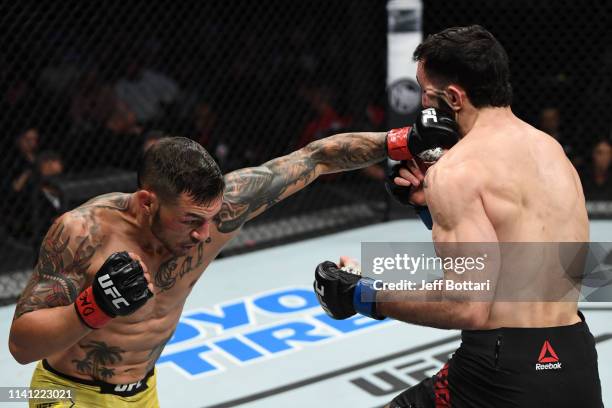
[(528, 192)]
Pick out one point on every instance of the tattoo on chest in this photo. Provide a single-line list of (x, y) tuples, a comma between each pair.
[(98, 357), (176, 268)]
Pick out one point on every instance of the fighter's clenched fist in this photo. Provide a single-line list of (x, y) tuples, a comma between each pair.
[(417, 147), (118, 289), (342, 292)]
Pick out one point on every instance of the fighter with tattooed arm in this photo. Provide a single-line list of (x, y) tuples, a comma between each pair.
[(113, 274)]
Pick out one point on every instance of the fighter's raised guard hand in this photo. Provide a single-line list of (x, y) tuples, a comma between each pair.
[(416, 148), (405, 182), (121, 286)]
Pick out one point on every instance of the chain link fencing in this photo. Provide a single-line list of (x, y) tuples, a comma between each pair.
[(86, 86)]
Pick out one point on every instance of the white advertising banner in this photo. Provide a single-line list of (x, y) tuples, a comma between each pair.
[(404, 34)]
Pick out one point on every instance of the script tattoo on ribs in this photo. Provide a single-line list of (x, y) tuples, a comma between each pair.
[(258, 188)]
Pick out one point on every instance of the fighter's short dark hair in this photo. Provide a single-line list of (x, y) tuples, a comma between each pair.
[(472, 58), (176, 165)]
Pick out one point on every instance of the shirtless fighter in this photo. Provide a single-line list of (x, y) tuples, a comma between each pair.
[(503, 182), (113, 275)]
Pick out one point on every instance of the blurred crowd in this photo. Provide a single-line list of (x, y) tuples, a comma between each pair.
[(99, 122), (249, 83), (84, 116), (594, 164), (109, 124)]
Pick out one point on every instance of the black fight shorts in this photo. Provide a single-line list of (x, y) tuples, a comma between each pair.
[(514, 367)]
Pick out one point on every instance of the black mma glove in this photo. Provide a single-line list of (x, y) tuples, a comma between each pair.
[(432, 131), (342, 294), (401, 194), (118, 289)]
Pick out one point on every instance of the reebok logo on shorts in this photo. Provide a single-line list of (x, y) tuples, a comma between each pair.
[(548, 359)]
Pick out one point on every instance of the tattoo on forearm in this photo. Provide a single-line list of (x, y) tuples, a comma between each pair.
[(60, 272), (176, 268), (98, 356), (349, 151), (253, 189)]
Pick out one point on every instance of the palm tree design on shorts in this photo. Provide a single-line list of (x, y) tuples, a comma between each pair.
[(98, 355)]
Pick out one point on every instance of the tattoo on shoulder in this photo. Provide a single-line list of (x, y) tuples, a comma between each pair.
[(61, 271), (176, 268), (111, 201), (258, 188), (250, 189), (98, 357)]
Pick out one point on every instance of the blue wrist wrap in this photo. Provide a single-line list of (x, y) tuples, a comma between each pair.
[(425, 216), (364, 298)]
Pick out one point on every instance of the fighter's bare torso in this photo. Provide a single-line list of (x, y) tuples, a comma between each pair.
[(79, 242), (530, 192), (126, 349)]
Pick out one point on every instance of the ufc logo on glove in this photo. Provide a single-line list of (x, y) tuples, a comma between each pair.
[(428, 114), (110, 289)]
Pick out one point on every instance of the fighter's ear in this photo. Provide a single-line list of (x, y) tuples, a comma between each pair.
[(148, 201), (456, 97)]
